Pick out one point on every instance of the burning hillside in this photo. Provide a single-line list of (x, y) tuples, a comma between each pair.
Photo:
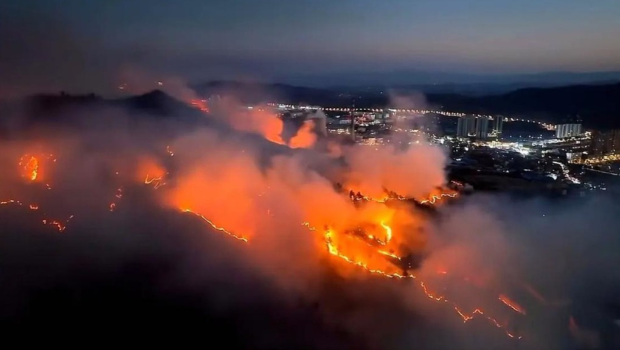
[(290, 227)]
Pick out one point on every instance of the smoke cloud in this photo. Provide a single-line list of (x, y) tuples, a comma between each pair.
[(203, 230)]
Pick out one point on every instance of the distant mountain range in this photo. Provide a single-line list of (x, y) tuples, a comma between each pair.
[(443, 82), (597, 105)]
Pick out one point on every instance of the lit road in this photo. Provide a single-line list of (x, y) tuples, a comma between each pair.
[(412, 111)]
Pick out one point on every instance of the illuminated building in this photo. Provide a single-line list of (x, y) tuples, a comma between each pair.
[(605, 142), (472, 126), (466, 126), (482, 127), (568, 130), (498, 125)]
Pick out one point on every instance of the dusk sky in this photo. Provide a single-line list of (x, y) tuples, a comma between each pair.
[(264, 39)]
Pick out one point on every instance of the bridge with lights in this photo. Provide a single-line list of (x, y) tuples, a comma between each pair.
[(411, 111)]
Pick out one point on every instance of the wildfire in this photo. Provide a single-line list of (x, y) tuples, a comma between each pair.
[(373, 255), (57, 224), (200, 104), (157, 181), (388, 232), (214, 226), (334, 251), (30, 166), (466, 317), (391, 196), (16, 202), (152, 172), (434, 198), (118, 196), (511, 304)]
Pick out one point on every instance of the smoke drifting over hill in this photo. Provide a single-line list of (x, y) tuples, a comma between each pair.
[(204, 234)]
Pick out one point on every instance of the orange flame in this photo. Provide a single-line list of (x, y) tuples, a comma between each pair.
[(200, 104), (151, 172), (30, 166), (218, 228), (367, 253), (512, 304), (333, 250), (388, 232), (434, 198)]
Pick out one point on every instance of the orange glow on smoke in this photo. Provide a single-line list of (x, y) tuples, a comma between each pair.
[(220, 193), (358, 260), (200, 104), (151, 172), (305, 137), (226, 198), (271, 128)]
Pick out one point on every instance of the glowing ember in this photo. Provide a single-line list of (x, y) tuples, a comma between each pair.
[(57, 224), (391, 196), (155, 180), (434, 198), (150, 171), (200, 104), (118, 195), (512, 304), (221, 229), (16, 202)]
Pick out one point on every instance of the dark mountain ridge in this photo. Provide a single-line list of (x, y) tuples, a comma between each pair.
[(597, 105)]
